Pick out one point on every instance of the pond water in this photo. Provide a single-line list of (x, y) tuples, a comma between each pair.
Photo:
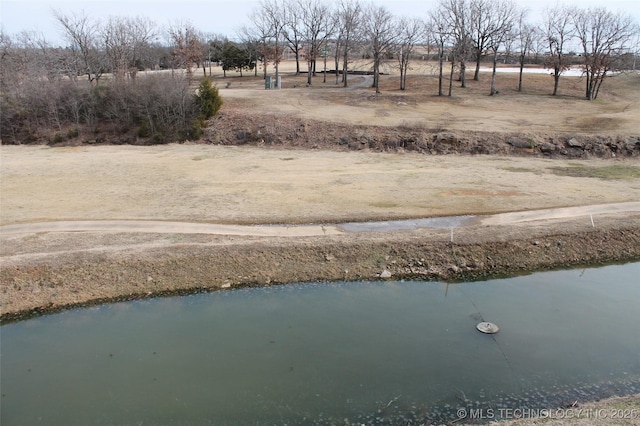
[(409, 224), (329, 353)]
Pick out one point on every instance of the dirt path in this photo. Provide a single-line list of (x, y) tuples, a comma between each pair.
[(560, 213), (167, 227)]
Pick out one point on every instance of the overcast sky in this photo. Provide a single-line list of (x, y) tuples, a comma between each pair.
[(217, 16)]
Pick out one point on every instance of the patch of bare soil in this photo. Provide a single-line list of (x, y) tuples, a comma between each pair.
[(251, 185)]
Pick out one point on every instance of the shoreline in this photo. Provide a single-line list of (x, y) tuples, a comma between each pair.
[(43, 279), (610, 407), (616, 410), (218, 263)]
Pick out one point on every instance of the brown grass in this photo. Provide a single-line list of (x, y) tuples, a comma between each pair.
[(255, 185), (533, 110)]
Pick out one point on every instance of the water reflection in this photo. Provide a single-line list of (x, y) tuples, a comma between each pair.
[(378, 353), (409, 224)]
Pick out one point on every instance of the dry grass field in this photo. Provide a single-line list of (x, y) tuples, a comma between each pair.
[(532, 111), (206, 183)]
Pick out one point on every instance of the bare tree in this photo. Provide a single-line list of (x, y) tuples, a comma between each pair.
[(486, 25), (410, 32), (293, 32), (504, 17), (186, 46), (204, 52), (350, 14), (6, 43), (337, 45), (6, 67), (450, 25), (481, 28), (255, 42), (456, 14), (117, 36), (35, 57), (539, 46), (266, 35), (214, 48), (318, 25), (557, 32), (380, 32), (144, 34), (604, 37), (525, 36), (82, 34), (275, 18), (441, 33)]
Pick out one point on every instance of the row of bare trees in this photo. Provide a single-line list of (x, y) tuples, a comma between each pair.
[(463, 32), (316, 29), (45, 85), (117, 45), (604, 37), (472, 29)]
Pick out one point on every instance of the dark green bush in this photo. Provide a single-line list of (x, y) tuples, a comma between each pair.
[(72, 133), (144, 131), (208, 99)]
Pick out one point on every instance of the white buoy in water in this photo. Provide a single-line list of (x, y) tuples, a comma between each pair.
[(487, 327)]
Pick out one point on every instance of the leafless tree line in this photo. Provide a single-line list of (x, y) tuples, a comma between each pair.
[(471, 29), (65, 89), (45, 85), (462, 32), (158, 109)]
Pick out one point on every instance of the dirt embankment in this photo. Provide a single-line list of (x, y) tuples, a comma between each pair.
[(232, 127), (126, 266)]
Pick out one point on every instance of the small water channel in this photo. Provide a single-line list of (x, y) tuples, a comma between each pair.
[(338, 353), (409, 224)]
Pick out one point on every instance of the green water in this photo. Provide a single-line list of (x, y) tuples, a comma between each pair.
[(338, 353)]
